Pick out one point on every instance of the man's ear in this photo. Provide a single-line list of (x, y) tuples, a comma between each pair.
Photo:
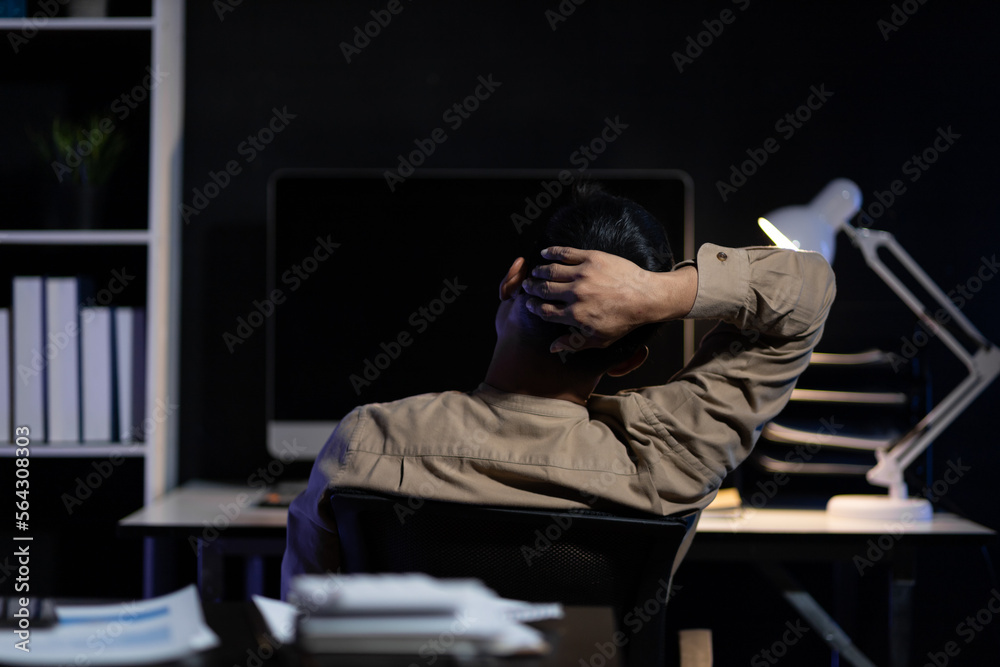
[(516, 274), (633, 362)]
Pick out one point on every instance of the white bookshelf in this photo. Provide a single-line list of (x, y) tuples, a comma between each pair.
[(160, 238)]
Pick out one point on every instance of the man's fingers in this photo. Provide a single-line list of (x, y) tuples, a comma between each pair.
[(546, 289), (548, 311), (556, 272), (565, 254)]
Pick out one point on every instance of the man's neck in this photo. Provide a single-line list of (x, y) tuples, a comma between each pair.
[(518, 370)]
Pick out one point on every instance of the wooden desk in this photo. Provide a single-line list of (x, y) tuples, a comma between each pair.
[(220, 520), (770, 538), (215, 520), (578, 637)]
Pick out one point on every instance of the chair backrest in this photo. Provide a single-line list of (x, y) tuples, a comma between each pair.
[(578, 557)]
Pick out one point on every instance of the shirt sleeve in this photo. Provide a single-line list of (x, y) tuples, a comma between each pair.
[(772, 304), (313, 544)]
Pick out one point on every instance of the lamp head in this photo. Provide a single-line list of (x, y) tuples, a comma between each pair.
[(815, 225)]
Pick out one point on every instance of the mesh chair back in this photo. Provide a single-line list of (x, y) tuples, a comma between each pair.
[(575, 557)]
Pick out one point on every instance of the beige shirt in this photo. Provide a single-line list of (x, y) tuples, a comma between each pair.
[(662, 449)]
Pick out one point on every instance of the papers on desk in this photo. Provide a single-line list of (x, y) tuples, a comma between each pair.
[(126, 633), (413, 614)]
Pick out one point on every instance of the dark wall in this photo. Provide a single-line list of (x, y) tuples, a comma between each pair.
[(888, 92)]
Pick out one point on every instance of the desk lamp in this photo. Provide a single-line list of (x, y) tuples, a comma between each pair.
[(813, 227)]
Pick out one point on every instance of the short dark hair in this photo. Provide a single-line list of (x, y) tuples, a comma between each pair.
[(598, 220)]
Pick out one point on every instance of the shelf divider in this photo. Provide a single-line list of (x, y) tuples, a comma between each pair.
[(74, 237), (44, 23), (70, 450)]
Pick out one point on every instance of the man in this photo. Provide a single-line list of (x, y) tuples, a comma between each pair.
[(534, 434)]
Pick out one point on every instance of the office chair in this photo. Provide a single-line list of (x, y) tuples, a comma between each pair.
[(577, 557)]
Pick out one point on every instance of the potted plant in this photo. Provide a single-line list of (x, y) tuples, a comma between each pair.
[(81, 158)]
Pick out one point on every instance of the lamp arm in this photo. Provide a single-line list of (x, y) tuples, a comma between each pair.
[(894, 460), (983, 365), (869, 241)]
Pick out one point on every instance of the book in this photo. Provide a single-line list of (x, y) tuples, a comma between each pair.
[(28, 372), (138, 433), (63, 370), (130, 372), (96, 368), (123, 344), (5, 432)]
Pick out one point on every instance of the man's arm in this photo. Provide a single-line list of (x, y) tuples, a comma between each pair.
[(772, 304), (313, 544)]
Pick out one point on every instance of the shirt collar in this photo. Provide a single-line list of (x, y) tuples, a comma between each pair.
[(538, 405)]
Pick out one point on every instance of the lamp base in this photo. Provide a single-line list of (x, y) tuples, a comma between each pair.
[(880, 508)]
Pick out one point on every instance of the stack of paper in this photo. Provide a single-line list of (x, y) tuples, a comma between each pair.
[(413, 614), (163, 629)]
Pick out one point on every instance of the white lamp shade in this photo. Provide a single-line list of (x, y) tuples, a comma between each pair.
[(815, 226)]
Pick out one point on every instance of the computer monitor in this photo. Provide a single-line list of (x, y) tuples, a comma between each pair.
[(377, 292)]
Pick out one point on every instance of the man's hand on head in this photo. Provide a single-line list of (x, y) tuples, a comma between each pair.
[(605, 295)]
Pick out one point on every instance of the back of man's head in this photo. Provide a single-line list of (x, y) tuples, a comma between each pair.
[(597, 220)]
